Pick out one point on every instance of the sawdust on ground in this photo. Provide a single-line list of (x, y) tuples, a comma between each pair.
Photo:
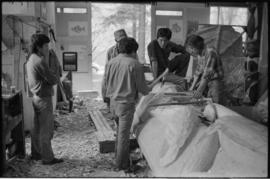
[(74, 141)]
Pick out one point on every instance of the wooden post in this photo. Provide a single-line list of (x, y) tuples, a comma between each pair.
[(153, 21), (19, 132), (141, 37), (17, 54), (218, 39), (3, 143)]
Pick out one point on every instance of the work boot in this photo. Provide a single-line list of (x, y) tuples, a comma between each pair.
[(54, 161), (35, 157)]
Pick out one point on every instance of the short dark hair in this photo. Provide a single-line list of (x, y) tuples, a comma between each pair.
[(164, 32), (195, 41), (38, 40), (128, 45)]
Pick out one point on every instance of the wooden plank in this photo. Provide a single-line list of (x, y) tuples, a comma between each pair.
[(105, 134)]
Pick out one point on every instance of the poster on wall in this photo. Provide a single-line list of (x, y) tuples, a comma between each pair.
[(176, 26), (192, 27), (83, 60), (77, 28)]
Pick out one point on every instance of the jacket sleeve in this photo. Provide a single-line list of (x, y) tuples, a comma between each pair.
[(43, 70), (177, 48)]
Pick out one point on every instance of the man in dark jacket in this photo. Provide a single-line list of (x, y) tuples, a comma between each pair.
[(159, 51)]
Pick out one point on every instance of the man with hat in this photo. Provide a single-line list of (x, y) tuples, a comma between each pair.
[(111, 53)]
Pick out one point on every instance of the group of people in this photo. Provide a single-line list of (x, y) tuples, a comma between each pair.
[(122, 84), (124, 77)]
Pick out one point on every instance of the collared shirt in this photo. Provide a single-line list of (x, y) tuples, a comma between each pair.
[(112, 52), (156, 53), (40, 78), (209, 65), (124, 78)]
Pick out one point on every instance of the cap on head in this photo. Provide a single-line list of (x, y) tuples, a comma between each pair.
[(119, 34)]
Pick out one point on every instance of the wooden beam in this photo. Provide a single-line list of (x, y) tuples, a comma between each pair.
[(105, 134)]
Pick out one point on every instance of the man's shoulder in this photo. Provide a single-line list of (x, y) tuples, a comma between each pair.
[(111, 48), (113, 60), (211, 50), (153, 43), (34, 59)]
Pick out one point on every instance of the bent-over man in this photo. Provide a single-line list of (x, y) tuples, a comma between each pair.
[(208, 77)]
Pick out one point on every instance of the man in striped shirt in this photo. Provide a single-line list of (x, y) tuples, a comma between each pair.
[(208, 77)]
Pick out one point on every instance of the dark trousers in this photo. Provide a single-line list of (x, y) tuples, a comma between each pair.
[(42, 132), (124, 113)]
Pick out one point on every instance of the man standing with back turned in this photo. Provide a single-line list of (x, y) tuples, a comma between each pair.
[(125, 79), (111, 53)]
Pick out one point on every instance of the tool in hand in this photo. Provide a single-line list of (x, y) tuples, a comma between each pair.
[(160, 77), (206, 121)]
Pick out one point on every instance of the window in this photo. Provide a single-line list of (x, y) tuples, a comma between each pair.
[(169, 13), (58, 10), (75, 10), (234, 16), (228, 15)]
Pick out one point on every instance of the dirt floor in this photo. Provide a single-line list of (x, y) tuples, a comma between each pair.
[(75, 141)]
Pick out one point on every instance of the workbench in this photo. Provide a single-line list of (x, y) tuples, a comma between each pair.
[(12, 129)]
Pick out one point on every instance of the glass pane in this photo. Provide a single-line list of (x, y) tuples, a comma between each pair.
[(109, 17), (228, 16), (58, 10), (169, 13), (75, 10), (213, 15)]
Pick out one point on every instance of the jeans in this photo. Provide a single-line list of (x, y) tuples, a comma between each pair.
[(124, 112), (42, 132)]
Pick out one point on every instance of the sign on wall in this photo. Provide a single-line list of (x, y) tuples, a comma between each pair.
[(83, 59), (77, 28), (70, 62), (176, 26)]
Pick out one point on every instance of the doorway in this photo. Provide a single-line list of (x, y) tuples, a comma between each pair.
[(109, 17)]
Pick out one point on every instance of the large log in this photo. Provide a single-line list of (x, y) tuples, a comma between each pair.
[(232, 146)]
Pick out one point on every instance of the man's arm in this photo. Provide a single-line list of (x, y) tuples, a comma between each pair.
[(154, 67), (104, 82), (177, 48), (140, 80), (208, 73), (47, 74), (153, 59), (197, 74)]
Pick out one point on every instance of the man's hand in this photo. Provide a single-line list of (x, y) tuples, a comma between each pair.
[(197, 94)]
